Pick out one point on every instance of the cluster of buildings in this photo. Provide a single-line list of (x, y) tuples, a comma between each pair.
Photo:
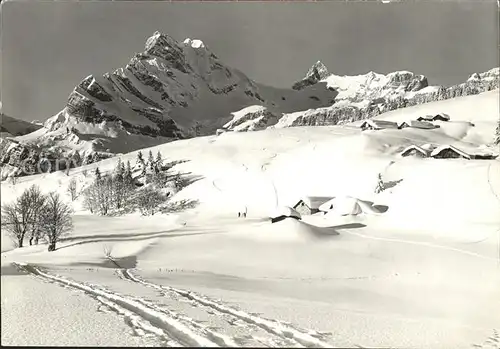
[(311, 205), (426, 150), (307, 205), (443, 152)]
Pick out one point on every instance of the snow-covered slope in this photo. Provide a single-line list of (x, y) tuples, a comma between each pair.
[(291, 153), (428, 263)]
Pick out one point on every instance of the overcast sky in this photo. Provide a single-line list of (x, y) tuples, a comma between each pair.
[(48, 47)]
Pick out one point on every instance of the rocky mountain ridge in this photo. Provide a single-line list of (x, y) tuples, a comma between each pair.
[(365, 96), (174, 90)]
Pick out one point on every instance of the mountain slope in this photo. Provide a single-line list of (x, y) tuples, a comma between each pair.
[(10, 127), (177, 90), (170, 91), (365, 96), (429, 263)]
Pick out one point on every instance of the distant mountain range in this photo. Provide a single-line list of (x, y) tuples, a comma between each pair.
[(10, 127), (176, 90)]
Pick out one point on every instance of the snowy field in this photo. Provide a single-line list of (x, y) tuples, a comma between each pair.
[(423, 274)]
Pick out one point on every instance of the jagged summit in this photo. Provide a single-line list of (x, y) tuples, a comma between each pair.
[(159, 44), (171, 90), (318, 70), (491, 74), (315, 74)]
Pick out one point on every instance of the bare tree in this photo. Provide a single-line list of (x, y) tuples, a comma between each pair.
[(90, 198), (56, 219), (98, 197), (13, 180), (12, 222), (105, 195), (21, 215), (72, 190), (36, 200)]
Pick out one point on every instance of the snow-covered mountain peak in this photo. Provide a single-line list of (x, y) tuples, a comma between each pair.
[(194, 43), (373, 85), (159, 43), (492, 74)]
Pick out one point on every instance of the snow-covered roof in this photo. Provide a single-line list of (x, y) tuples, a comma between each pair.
[(379, 124), (428, 146), (417, 124), (443, 116), (285, 211), (450, 147), (314, 201), (326, 206), (417, 148), (344, 205), (426, 117)]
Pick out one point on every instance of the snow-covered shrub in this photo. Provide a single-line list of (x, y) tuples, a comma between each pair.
[(72, 189), (149, 200)]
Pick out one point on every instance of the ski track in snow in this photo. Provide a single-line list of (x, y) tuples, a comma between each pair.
[(492, 342), (145, 318), (424, 244), (286, 333)]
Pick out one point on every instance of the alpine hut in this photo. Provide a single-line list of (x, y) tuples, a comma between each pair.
[(415, 150), (449, 152), (441, 117), (377, 125), (426, 118), (284, 212), (310, 204), (417, 124)]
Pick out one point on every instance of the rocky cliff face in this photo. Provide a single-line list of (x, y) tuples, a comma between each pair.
[(171, 90)]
